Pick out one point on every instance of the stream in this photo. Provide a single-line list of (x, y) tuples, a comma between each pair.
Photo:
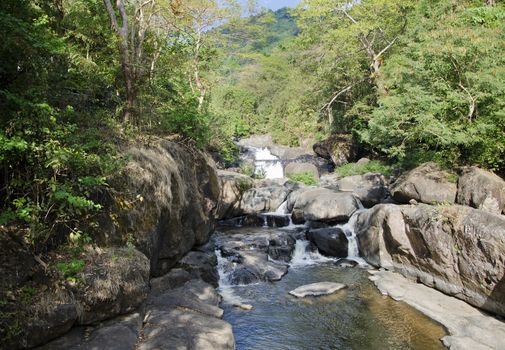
[(358, 317)]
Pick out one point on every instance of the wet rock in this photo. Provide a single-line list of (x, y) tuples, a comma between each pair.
[(317, 289), (346, 263), (329, 241), (277, 220), (469, 328), (254, 267), (426, 184), (482, 190), (455, 249), (281, 248), (233, 186), (321, 204), (301, 168), (201, 265)]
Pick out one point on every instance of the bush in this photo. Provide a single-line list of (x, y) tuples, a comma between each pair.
[(373, 166), (304, 178)]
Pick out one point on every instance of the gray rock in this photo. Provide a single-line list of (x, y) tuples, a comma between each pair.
[(232, 188), (346, 263), (185, 329), (116, 282), (455, 249), (177, 277), (329, 241), (301, 168), (201, 265), (182, 298), (426, 184), (260, 200), (370, 189), (294, 195), (363, 162), (255, 266), (317, 289), (482, 190), (321, 204)]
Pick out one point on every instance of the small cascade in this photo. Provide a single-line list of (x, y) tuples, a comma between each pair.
[(350, 231), (267, 164), (283, 209), (225, 269), (303, 257)]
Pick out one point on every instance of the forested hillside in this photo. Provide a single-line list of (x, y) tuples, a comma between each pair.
[(411, 80)]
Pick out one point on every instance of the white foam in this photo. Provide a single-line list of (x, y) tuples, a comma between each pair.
[(267, 164), (303, 257)]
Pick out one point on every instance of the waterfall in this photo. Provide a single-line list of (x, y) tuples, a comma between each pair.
[(303, 257), (283, 209), (267, 164), (225, 269), (350, 231)]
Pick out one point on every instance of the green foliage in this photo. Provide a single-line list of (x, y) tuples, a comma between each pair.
[(71, 269), (247, 169), (373, 166), (304, 178)]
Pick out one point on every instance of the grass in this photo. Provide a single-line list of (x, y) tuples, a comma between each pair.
[(304, 178), (71, 269), (373, 166)]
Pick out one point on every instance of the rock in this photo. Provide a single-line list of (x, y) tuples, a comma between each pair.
[(185, 329), (245, 307), (370, 189), (321, 204), (363, 162), (172, 199), (301, 168), (469, 328), (455, 249), (293, 196), (260, 200), (346, 263), (482, 190), (329, 241), (254, 267), (281, 248), (256, 141), (426, 184), (201, 265), (233, 186), (116, 334), (340, 148), (177, 277), (277, 220), (317, 289), (116, 281)]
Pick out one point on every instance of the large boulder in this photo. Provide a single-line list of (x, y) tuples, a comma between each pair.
[(116, 281), (455, 249), (482, 190), (168, 203), (427, 184), (317, 289), (370, 189), (232, 188), (301, 168), (321, 204), (340, 148), (329, 241), (260, 200)]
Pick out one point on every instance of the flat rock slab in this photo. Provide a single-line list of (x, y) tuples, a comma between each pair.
[(469, 328), (317, 289)]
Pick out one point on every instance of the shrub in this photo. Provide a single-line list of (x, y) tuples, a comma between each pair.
[(373, 166), (304, 178)]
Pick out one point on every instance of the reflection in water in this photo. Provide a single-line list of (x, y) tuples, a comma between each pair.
[(358, 317)]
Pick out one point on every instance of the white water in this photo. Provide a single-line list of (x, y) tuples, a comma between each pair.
[(225, 269), (303, 257), (267, 164), (352, 242), (283, 209)]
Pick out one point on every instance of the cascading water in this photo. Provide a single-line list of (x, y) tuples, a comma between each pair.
[(302, 256), (283, 209), (352, 242), (225, 268), (267, 164)]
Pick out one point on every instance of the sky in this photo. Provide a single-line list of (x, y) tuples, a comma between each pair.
[(277, 4)]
